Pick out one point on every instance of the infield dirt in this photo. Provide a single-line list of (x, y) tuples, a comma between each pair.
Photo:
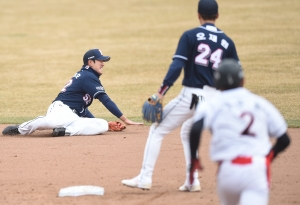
[(34, 168)]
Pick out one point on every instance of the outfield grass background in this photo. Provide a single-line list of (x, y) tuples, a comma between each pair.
[(42, 44)]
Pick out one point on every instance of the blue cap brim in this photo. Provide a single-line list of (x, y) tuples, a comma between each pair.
[(103, 58)]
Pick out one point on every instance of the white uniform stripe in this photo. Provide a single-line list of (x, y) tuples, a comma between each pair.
[(26, 123), (97, 93), (179, 56), (211, 30)]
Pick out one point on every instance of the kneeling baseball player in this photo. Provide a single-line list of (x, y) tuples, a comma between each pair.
[(68, 114), (241, 123)]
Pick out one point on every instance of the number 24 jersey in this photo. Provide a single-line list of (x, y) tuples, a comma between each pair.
[(203, 48)]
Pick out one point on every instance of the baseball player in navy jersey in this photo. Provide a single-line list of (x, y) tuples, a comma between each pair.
[(199, 52), (68, 114), (241, 123)]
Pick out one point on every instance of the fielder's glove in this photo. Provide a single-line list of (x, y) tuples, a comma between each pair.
[(153, 109), (116, 126)]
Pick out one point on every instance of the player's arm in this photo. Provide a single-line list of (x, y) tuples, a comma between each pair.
[(195, 136), (113, 108), (277, 127), (88, 114), (128, 121), (232, 52), (179, 61), (109, 104), (172, 75), (94, 88), (281, 144)]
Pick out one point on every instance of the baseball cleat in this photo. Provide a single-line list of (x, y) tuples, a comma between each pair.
[(193, 188), (134, 183), (196, 187), (11, 130), (60, 131)]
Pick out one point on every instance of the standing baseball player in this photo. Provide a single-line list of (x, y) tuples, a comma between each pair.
[(241, 123), (68, 114), (199, 52)]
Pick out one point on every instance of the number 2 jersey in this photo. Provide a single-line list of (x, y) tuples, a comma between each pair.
[(241, 124), (200, 50)]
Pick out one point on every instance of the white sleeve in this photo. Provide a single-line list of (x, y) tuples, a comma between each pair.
[(276, 123), (202, 112)]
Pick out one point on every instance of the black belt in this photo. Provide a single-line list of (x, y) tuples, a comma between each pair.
[(195, 100)]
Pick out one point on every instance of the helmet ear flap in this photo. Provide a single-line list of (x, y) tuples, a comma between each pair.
[(229, 75), (217, 80)]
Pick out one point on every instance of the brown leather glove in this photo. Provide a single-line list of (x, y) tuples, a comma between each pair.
[(116, 126)]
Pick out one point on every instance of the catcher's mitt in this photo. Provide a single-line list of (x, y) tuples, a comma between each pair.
[(153, 109), (116, 126)]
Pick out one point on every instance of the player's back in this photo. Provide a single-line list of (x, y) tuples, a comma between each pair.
[(75, 93), (204, 48), (241, 123)]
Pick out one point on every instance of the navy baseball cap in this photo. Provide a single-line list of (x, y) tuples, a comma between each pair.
[(94, 54), (208, 7)]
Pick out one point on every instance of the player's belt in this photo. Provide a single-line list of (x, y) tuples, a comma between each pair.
[(237, 160), (242, 160), (195, 100), (248, 160)]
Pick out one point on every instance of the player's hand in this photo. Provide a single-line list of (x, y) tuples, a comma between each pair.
[(129, 122), (270, 156), (160, 96), (195, 165)]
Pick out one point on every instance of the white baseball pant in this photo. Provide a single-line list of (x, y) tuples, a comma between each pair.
[(60, 115), (176, 113), (243, 181)]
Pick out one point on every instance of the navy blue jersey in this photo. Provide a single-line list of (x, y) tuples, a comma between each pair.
[(199, 51), (80, 91)]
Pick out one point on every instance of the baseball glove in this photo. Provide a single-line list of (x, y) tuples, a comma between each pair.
[(116, 126), (152, 109)]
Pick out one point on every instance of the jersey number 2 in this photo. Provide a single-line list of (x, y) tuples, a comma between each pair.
[(67, 85), (250, 121), (205, 53)]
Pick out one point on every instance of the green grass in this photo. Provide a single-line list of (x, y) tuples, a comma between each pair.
[(42, 44)]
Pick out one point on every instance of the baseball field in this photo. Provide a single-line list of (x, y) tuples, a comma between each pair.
[(42, 44)]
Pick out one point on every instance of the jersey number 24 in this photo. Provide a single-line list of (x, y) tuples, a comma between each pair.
[(205, 56)]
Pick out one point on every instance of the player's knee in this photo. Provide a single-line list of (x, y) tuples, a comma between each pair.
[(106, 127), (103, 124), (184, 136)]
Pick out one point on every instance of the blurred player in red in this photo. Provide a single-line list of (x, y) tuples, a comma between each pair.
[(242, 124)]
